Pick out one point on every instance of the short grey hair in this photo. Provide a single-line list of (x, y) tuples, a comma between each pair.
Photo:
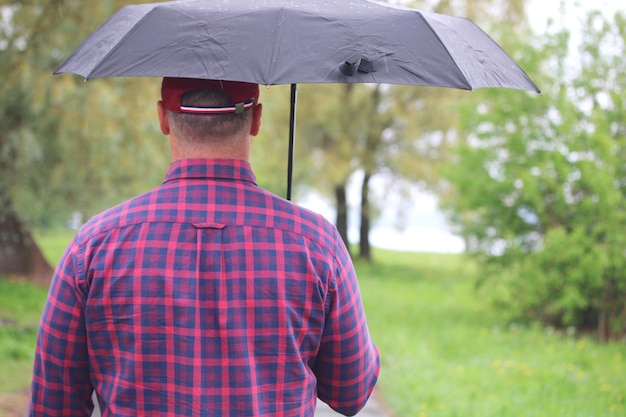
[(202, 127)]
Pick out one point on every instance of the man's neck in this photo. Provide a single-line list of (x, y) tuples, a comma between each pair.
[(192, 150)]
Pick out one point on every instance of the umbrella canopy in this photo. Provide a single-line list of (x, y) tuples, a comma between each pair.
[(288, 42), (272, 42)]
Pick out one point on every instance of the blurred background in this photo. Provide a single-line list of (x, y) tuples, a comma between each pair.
[(488, 227)]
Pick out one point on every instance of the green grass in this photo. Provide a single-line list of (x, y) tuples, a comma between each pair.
[(53, 243), (21, 304), (444, 351), (20, 308)]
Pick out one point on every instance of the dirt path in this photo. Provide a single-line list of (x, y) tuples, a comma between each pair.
[(14, 405)]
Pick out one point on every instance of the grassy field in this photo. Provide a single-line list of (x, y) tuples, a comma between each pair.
[(444, 352), (20, 309)]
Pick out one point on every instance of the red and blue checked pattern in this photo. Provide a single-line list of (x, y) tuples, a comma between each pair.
[(206, 296)]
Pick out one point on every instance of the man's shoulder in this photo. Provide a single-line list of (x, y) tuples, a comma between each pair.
[(301, 220), (122, 214)]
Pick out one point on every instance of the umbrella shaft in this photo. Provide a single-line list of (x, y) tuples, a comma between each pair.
[(292, 138)]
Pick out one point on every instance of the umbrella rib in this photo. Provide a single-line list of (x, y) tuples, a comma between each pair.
[(276, 44), (445, 48)]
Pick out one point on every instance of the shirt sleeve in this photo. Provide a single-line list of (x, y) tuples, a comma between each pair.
[(61, 385), (348, 362)]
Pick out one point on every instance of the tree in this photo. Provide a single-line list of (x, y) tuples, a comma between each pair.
[(328, 149), (270, 147), (540, 184), (65, 145)]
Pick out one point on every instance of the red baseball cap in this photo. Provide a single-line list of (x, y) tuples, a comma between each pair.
[(242, 95)]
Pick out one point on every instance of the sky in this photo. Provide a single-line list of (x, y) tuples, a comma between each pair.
[(424, 228), (540, 10)]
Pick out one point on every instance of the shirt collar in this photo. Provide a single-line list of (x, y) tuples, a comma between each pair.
[(225, 169)]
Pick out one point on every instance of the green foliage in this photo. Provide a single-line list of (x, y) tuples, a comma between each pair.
[(544, 201), (334, 133), (269, 150), (68, 145), (447, 353)]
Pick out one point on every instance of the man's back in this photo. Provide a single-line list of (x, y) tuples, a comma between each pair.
[(209, 296)]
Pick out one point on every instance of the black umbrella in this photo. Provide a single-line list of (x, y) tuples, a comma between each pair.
[(273, 42)]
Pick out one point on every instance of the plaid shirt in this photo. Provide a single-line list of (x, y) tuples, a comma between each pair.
[(206, 296)]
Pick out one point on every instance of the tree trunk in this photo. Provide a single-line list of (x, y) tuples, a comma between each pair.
[(365, 250), (622, 333), (20, 256), (602, 325), (342, 213), (606, 312)]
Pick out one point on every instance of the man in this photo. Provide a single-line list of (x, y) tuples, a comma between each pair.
[(206, 296)]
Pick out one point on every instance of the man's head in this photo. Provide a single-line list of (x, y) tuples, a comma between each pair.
[(209, 112)]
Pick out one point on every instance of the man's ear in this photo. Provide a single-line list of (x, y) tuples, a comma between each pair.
[(257, 111), (163, 119)]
